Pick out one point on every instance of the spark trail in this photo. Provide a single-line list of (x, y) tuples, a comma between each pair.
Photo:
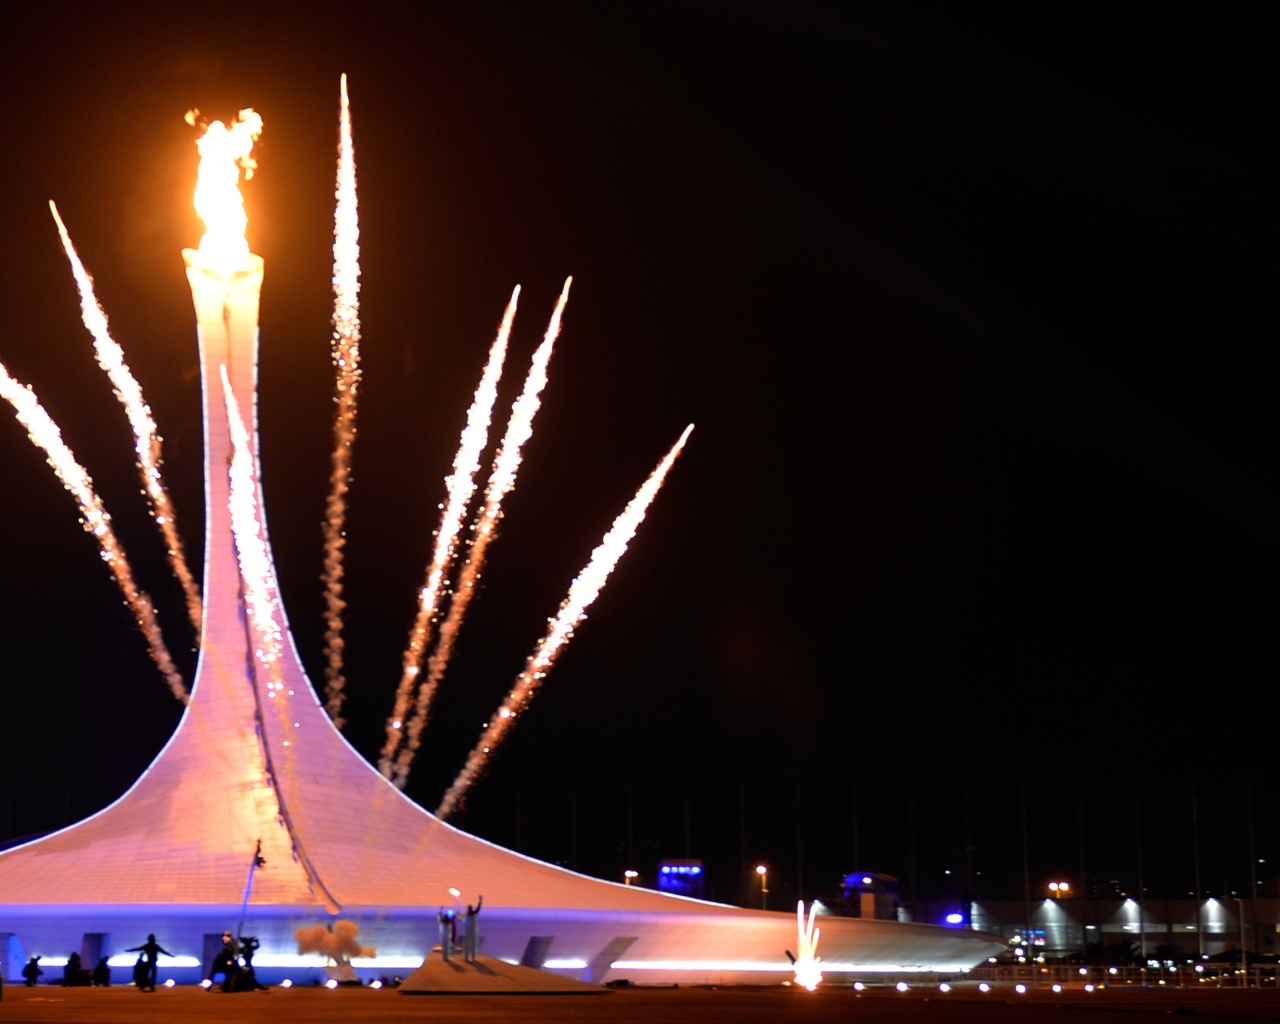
[(146, 437), (265, 632), (584, 589), (461, 486), (44, 433), (502, 479), (251, 547), (346, 360)]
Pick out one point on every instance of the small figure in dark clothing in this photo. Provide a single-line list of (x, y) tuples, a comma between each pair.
[(448, 931), (31, 971), (244, 979), (150, 950), (102, 973), (71, 972), (226, 962)]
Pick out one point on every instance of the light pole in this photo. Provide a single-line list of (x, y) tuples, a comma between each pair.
[(1244, 954), (763, 872), (629, 876)]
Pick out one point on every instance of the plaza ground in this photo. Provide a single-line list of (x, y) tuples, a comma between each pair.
[(743, 1005)]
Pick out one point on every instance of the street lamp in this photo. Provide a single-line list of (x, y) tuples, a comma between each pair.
[(1059, 889), (763, 872), (630, 875)]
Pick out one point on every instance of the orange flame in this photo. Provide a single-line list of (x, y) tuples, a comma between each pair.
[(224, 151)]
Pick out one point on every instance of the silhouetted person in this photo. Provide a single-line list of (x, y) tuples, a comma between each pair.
[(71, 972), (471, 931), (150, 950), (225, 963), (102, 973), (246, 979), (31, 971)]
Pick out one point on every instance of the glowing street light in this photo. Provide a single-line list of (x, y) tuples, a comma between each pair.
[(1059, 889), (630, 875), (763, 872)]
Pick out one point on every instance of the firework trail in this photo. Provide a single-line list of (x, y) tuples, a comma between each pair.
[(45, 434), (460, 486), (147, 440), (584, 589), (501, 480), (251, 548), (346, 359)]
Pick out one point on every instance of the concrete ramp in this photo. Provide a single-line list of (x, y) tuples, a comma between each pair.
[(487, 976)]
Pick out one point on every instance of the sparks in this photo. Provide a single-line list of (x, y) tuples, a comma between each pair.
[(251, 551), (461, 486), (582, 591), (146, 437), (502, 479), (808, 973), (45, 434), (346, 359)]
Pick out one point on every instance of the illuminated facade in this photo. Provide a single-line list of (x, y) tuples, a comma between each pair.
[(256, 764), (1210, 927)]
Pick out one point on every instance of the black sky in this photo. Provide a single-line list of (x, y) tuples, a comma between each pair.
[(972, 307)]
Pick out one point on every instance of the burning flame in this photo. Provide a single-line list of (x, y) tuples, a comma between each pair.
[(224, 151)]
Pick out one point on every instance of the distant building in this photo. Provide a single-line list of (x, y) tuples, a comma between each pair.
[(1057, 928), (681, 878), (870, 894)]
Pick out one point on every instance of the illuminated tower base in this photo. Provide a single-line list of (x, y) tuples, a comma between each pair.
[(172, 855)]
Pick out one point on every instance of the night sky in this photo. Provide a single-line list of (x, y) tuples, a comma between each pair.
[(972, 307)]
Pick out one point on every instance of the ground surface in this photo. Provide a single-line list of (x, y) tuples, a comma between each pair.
[(635, 1006)]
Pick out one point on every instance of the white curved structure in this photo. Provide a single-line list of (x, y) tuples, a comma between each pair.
[(172, 855)]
